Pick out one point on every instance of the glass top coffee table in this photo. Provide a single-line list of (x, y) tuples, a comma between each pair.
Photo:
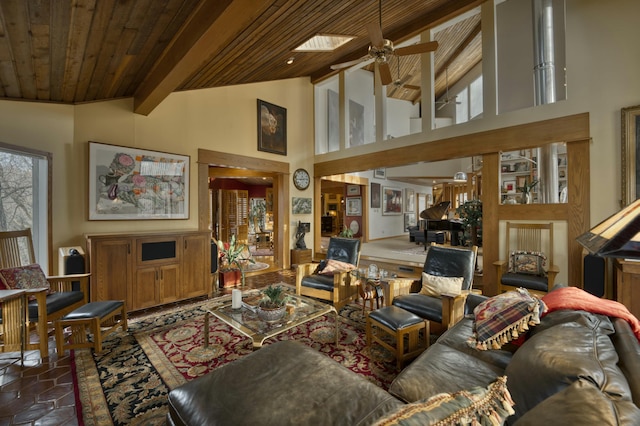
[(300, 309)]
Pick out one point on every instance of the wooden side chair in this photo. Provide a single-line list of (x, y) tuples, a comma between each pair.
[(336, 287), (529, 258)]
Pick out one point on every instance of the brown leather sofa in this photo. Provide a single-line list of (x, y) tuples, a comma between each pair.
[(574, 368)]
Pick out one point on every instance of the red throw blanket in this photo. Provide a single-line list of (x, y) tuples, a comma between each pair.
[(578, 299)]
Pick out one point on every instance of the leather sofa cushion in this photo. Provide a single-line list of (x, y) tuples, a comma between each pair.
[(318, 281), (434, 370), (628, 349), (581, 403), (570, 345), (419, 304), (284, 383)]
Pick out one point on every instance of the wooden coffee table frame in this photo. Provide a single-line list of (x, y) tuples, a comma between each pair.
[(244, 319)]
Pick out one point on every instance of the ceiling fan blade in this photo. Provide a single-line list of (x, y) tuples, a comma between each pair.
[(444, 104), (375, 35), (429, 46), (349, 64), (385, 73), (411, 87)]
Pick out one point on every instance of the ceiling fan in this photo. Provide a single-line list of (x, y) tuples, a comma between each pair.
[(447, 99), (401, 83), (381, 50)]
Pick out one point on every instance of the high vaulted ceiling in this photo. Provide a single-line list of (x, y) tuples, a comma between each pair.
[(75, 51)]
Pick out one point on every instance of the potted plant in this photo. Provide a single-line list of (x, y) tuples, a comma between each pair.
[(233, 258), (273, 305), (470, 213), (346, 232)]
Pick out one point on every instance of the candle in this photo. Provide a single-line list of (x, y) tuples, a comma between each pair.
[(236, 299)]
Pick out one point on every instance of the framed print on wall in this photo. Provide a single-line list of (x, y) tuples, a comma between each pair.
[(391, 201), (354, 206), (409, 200), (380, 173), (272, 128), (375, 195), (353, 190), (137, 184), (301, 205), (630, 154)]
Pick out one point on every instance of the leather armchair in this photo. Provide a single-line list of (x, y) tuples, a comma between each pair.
[(336, 288), (447, 309)]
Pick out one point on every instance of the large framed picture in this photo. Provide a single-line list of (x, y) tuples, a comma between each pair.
[(409, 200), (137, 184), (375, 195), (354, 206), (630, 154), (272, 128), (391, 201)]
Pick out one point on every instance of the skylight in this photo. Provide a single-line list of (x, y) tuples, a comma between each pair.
[(323, 43)]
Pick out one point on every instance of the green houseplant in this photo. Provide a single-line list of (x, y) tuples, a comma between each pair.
[(470, 213), (234, 256), (273, 304), (346, 232)]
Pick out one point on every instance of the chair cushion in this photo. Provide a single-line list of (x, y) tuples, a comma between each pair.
[(434, 285), (527, 262), (23, 277), (491, 405), (427, 307), (344, 249), (55, 302), (318, 281), (331, 266), (451, 262), (503, 318), (530, 282)]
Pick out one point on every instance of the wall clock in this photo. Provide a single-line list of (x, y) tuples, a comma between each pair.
[(301, 179)]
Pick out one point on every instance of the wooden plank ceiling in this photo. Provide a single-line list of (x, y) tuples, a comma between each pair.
[(75, 51)]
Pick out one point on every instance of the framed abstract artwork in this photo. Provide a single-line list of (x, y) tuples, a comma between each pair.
[(137, 184), (272, 128), (391, 201)]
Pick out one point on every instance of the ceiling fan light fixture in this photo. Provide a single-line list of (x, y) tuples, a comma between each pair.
[(290, 60), (460, 177)]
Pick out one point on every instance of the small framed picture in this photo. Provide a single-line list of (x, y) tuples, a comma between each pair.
[(509, 186), (354, 206), (380, 173), (353, 190)]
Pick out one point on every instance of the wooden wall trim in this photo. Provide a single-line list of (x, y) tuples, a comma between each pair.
[(217, 158), (569, 128)]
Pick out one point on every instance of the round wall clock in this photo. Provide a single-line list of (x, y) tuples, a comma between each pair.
[(301, 179)]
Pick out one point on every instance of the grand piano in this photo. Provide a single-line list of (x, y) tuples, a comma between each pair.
[(435, 220)]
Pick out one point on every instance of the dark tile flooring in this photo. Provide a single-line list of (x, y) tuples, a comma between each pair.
[(42, 392)]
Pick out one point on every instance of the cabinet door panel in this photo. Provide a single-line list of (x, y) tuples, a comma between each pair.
[(111, 270), (144, 290), (195, 266), (169, 283)]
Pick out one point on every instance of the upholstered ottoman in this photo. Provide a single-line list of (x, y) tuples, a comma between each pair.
[(399, 324), (90, 317)]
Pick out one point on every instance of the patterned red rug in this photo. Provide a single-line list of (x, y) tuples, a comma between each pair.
[(129, 382)]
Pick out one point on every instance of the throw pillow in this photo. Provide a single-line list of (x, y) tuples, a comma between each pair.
[(24, 277), (527, 262), (490, 405), (434, 285), (332, 266), (502, 318)]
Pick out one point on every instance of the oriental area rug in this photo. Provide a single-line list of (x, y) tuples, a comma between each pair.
[(129, 382)]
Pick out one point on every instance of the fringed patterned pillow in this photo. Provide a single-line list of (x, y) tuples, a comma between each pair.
[(477, 406), (503, 318), (527, 262)]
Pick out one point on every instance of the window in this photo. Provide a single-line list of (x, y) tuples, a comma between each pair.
[(24, 195), (469, 102)]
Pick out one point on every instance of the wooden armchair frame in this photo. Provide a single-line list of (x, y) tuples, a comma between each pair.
[(528, 237)]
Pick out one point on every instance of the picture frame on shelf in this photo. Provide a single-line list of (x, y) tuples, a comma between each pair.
[(630, 131), (509, 186), (353, 206), (272, 128), (137, 184)]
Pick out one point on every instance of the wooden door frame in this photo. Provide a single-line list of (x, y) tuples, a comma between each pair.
[(239, 164)]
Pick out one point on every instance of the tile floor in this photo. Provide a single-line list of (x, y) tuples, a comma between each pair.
[(42, 392)]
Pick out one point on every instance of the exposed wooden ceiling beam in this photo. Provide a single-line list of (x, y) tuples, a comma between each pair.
[(212, 25)]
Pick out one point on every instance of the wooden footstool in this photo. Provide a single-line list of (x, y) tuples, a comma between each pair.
[(91, 317), (398, 323)]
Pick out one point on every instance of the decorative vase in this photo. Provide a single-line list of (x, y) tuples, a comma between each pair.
[(229, 278), (271, 314), (526, 198)]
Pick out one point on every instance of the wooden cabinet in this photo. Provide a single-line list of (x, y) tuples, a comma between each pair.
[(627, 289), (149, 269), (299, 256)]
